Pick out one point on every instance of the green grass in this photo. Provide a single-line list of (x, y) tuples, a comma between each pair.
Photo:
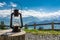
[(3, 28), (43, 32)]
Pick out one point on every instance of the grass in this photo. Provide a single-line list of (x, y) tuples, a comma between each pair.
[(43, 32), (3, 28)]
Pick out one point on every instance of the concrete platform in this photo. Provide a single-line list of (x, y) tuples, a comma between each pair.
[(9, 35)]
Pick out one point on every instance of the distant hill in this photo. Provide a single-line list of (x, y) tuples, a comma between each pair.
[(30, 20)]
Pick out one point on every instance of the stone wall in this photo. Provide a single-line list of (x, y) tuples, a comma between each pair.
[(30, 36)]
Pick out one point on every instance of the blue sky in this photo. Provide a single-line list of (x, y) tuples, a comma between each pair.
[(47, 5)]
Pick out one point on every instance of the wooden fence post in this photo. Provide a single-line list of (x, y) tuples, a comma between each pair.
[(34, 25), (52, 25), (26, 27)]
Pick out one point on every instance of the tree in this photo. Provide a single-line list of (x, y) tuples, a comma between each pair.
[(2, 25)]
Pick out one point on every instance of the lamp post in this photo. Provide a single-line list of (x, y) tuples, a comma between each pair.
[(16, 22)]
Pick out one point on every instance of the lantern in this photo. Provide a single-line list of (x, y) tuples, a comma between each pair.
[(16, 21)]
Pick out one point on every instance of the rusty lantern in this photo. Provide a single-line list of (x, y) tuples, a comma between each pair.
[(16, 22)]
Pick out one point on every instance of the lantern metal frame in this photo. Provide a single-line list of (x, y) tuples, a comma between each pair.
[(16, 13)]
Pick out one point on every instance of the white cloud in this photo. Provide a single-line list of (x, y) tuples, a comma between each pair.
[(4, 13), (27, 13), (41, 9), (13, 4), (2, 4), (41, 14)]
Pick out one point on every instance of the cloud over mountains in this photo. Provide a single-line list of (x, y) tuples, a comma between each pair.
[(34, 13), (29, 13)]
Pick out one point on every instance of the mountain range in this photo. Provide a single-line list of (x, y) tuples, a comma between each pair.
[(30, 20)]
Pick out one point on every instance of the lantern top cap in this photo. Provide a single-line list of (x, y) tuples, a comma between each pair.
[(16, 10)]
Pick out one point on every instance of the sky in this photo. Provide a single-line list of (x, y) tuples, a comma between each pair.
[(37, 8), (51, 5)]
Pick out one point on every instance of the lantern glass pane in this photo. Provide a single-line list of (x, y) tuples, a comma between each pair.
[(16, 21)]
